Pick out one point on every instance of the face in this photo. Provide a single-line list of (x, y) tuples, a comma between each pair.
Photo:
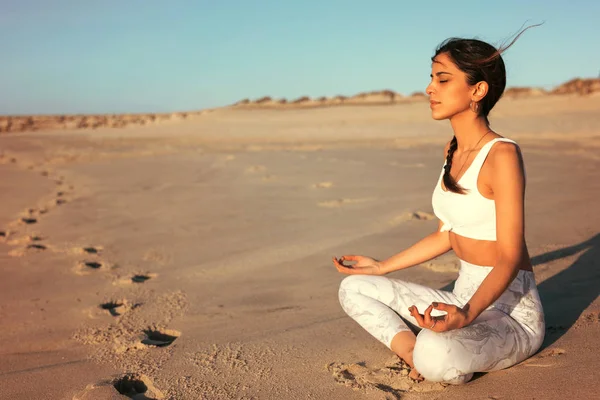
[(449, 93)]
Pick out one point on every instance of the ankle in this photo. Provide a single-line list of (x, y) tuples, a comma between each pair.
[(403, 345)]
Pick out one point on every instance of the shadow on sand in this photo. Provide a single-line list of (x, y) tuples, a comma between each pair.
[(566, 295)]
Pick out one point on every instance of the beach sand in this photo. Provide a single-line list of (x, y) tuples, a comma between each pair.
[(192, 260)]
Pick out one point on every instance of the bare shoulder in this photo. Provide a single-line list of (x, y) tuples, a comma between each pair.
[(506, 165), (504, 154)]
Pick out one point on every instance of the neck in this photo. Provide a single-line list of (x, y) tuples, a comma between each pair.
[(468, 129)]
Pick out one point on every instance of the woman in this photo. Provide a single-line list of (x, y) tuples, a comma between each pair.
[(493, 318)]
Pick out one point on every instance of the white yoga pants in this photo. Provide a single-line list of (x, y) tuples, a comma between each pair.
[(508, 332)]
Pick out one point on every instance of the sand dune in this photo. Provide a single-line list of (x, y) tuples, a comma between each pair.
[(27, 123), (46, 122), (578, 86), (382, 97)]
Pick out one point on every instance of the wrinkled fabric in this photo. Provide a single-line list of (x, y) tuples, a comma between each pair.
[(508, 332)]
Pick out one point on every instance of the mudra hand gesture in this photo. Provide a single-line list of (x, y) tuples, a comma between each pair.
[(455, 318), (363, 265)]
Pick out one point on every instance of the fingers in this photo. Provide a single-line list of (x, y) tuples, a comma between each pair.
[(343, 268), (444, 307), (427, 319), (340, 262), (442, 322), (418, 317), (349, 258), (337, 263)]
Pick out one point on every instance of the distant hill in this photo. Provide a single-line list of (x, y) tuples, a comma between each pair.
[(24, 123), (44, 122), (576, 86)]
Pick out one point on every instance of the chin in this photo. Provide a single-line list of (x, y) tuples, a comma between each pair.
[(438, 116)]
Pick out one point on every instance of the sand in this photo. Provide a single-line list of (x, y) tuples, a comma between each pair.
[(191, 260)]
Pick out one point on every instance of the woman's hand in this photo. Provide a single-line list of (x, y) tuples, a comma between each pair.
[(363, 266), (455, 318)]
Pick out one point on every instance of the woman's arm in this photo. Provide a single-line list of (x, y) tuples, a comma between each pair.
[(508, 186), (425, 249)]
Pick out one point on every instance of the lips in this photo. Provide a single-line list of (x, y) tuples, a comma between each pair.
[(433, 103)]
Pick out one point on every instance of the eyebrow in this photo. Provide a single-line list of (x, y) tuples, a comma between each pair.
[(440, 73)]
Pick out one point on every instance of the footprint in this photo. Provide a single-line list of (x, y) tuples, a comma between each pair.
[(28, 220), (442, 266), (91, 250), (140, 278), (588, 318), (134, 386), (92, 264), (390, 379), (544, 356), (25, 240), (3, 235), (137, 387), (341, 202), (31, 247), (551, 352), (412, 216), (130, 386), (87, 267), (117, 308), (60, 198), (135, 279), (422, 216), (114, 308), (36, 246), (322, 185), (160, 338)]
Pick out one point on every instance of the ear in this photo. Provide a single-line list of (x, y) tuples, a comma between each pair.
[(480, 89)]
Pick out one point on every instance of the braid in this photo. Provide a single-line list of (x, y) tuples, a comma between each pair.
[(449, 181)]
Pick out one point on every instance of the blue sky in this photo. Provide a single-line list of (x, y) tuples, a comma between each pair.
[(113, 56)]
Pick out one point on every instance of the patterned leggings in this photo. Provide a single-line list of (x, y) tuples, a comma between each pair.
[(508, 332)]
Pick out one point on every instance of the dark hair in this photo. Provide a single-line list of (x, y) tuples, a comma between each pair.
[(480, 61)]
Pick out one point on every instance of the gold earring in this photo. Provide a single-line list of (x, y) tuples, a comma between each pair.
[(474, 106)]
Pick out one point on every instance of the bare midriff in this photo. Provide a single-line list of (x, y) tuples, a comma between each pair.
[(481, 252)]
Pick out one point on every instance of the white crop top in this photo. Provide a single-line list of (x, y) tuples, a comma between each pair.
[(470, 215)]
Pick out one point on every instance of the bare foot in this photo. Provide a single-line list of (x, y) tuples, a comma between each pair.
[(415, 375)]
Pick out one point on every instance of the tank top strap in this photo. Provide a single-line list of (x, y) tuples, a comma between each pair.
[(480, 158)]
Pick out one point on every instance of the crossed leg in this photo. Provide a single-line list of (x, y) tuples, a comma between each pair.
[(380, 305)]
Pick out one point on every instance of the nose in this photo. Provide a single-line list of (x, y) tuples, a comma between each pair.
[(429, 88)]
